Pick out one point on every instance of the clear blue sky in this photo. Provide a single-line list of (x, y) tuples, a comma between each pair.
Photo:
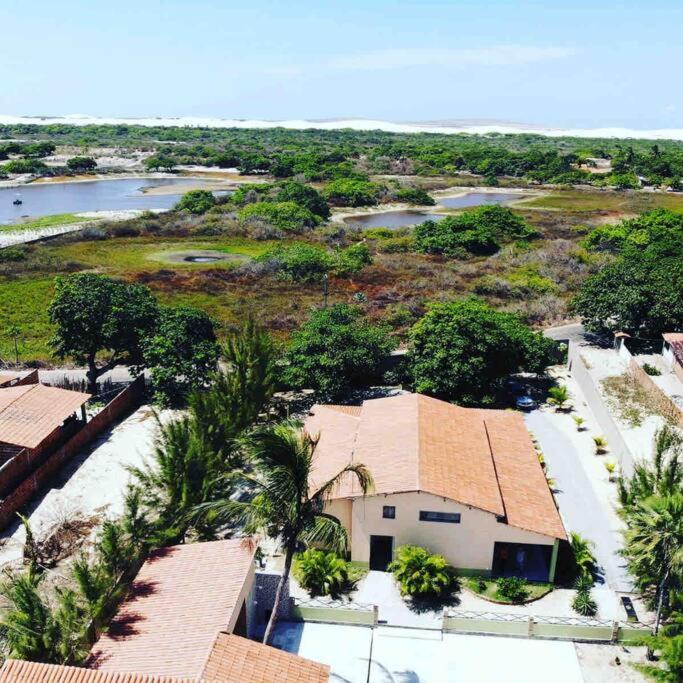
[(598, 63)]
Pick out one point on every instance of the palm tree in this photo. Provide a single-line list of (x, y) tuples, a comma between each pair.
[(583, 555), (654, 545), (283, 505)]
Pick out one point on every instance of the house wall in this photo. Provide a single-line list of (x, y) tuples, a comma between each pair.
[(467, 545), (246, 598)]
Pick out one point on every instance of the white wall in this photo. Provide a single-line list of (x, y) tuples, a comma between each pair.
[(467, 545)]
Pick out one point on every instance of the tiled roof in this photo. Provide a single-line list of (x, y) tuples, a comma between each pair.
[(675, 340), (19, 671), (30, 413), (181, 599), (482, 458), (238, 660)]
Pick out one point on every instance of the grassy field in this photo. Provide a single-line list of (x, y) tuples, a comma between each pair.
[(622, 202), (490, 591), (45, 222)]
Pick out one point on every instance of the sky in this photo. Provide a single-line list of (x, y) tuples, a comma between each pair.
[(567, 64)]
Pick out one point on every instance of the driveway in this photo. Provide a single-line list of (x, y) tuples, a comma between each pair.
[(399, 655), (581, 508)]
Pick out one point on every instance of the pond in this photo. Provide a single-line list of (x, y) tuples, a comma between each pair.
[(404, 217), (97, 195), (477, 199)]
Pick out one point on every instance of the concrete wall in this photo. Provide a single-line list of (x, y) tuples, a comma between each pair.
[(618, 448), (266, 585), (664, 403), (467, 545), (246, 597)]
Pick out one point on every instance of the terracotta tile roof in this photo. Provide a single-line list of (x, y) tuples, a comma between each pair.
[(238, 660), (7, 378), (19, 671), (482, 458), (181, 599), (30, 413), (349, 410)]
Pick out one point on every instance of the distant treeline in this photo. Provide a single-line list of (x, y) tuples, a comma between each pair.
[(320, 155)]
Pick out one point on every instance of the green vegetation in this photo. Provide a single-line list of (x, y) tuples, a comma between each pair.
[(350, 192), (286, 216), (322, 573), (336, 349), (46, 222), (478, 231), (512, 589), (463, 351), (196, 201), (490, 589), (81, 164), (420, 574)]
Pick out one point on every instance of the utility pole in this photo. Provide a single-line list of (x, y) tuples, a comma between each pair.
[(326, 280)]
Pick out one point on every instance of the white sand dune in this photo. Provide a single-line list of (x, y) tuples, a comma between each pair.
[(448, 128)]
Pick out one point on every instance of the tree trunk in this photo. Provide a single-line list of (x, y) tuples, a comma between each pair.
[(278, 595), (660, 604), (91, 375)]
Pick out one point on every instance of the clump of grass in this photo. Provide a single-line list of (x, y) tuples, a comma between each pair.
[(652, 370), (628, 399)]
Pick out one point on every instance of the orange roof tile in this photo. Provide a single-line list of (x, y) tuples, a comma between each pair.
[(182, 597), (30, 413), (238, 660), (19, 671), (482, 458)]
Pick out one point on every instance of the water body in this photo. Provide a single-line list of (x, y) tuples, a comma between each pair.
[(477, 199), (405, 217), (97, 195)]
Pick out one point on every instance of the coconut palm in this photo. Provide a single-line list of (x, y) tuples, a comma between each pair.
[(559, 397), (583, 555), (283, 505), (654, 546)]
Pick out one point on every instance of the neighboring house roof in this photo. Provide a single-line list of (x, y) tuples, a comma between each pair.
[(30, 413), (675, 340), (481, 458), (19, 671), (245, 661), (181, 599)]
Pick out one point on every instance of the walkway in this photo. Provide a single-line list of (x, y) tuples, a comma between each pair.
[(581, 508)]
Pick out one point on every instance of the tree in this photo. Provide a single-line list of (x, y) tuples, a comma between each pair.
[(654, 547), (305, 196), (463, 350), (283, 505), (160, 161), (335, 349), (81, 164), (352, 192), (97, 316), (196, 201), (181, 352)]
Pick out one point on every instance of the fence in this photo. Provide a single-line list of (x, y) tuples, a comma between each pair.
[(605, 421), (129, 398), (558, 628), (333, 612)]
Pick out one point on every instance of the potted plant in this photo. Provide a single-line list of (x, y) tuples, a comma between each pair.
[(579, 422), (600, 445)]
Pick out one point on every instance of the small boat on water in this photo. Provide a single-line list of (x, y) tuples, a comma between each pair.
[(18, 201)]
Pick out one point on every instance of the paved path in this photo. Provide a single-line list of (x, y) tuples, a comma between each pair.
[(580, 506), (573, 332)]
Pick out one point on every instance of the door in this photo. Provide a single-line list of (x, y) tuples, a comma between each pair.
[(381, 552)]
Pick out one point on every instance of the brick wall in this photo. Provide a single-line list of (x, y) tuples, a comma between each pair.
[(128, 399)]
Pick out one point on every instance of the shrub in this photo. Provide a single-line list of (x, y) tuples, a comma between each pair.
[(379, 233), (12, 254), (305, 196), (196, 201), (415, 195), (397, 245), (512, 588), (322, 573), (81, 164), (652, 370), (298, 262), (25, 166), (352, 260), (286, 216), (600, 444), (420, 574), (351, 192), (584, 604)]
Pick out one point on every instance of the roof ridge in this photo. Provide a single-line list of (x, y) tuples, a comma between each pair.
[(495, 468)]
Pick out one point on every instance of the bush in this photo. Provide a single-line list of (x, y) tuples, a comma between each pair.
[(81, 164), (322, 573), (352, 260), (415, 195), (286, 216), (512, 588), (25, 166), (350, 192), (12, 254), (196, 201), (584, 604), (305, 196), (298, 262), (652, 370), (397, 245), (420, 574)]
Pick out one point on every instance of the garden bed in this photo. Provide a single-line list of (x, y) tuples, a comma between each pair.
[(535, 591)]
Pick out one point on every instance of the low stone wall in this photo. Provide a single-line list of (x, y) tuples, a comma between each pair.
[(334, 613), (131, 397), (265, 587), (664, 404)]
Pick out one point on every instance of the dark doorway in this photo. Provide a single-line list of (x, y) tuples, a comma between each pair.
[(381, 551), (525, 560)]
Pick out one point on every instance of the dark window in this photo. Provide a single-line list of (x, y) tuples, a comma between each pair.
[(448, 517), (389, 512)]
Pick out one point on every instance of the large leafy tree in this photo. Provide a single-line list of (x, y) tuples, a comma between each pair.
[(335, 349), (100, 322), (283, 505), (181, 352), (463, 350)]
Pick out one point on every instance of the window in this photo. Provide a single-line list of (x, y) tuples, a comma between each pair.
[(389, 512), (448, 517)]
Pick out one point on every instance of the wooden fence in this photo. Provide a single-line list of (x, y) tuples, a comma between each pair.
[(131, 397)]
